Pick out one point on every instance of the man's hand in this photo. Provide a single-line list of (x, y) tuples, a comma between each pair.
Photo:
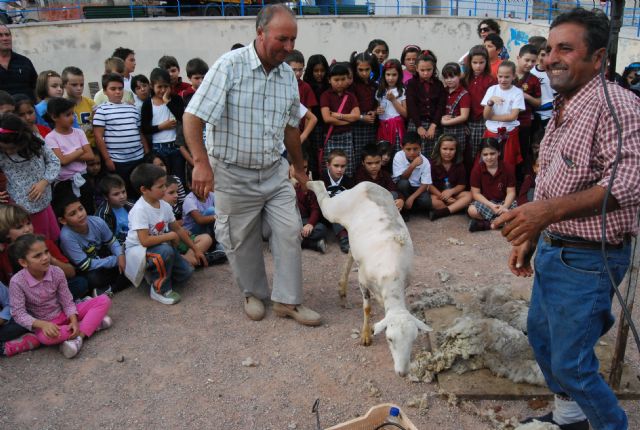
[(520, 259), (202, 179), (525, 222), (301, 176)]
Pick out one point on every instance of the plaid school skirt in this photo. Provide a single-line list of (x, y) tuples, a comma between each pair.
[(362, 134), (392, 130), (486, 212), (460, 133), (343, 141), (427, 144), (476, 130)]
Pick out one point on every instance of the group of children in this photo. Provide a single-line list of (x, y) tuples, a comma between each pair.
[(94, 198), (110, 182)]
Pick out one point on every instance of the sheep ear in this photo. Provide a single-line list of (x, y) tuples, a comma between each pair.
[(421, 325), (380, 326)]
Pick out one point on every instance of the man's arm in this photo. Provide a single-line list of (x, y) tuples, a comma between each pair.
[(202, 177), (294, 150)]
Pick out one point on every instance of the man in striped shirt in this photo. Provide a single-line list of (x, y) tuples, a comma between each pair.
[(571, 298), (250, 101), (116, 127)]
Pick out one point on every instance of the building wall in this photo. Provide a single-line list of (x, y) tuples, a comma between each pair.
[(87, 44)]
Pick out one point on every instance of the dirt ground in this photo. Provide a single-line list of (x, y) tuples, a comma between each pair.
[(162, 367)]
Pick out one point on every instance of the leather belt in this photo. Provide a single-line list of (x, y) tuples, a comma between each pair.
[(576, 242)]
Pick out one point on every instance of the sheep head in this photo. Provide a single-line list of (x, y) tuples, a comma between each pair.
[(401, 330)]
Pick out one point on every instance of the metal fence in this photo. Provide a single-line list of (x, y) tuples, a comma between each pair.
[(526, 10)]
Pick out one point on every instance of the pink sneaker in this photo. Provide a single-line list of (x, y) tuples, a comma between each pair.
[(24, 343), (71, 347), (106, 323)]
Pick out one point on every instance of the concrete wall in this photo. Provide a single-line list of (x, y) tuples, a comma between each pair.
[(87, 44)]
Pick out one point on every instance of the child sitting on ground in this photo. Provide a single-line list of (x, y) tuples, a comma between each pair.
[(14, 223), (171, 196), (493, 187), (115, 208), (336, 181), (449, 176), (412, 173), (90, 246), (42, 302), (154, 236), (14, 338), (158, 160), (199, 213), (371, 170), (313, 231)]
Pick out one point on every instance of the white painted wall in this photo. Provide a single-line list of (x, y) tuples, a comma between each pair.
[(87, 44)]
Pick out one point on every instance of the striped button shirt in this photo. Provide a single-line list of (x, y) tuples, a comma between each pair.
[(579, 152), (121, 124), (246, 109)]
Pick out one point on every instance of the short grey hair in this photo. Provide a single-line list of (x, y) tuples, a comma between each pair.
[(267, 13)]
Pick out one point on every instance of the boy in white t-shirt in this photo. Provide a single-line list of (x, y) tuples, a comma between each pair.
[(412, 173), (154, 234), (502, 105)]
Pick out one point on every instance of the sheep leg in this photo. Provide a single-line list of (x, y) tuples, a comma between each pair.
[(344, 282), (365, 335)]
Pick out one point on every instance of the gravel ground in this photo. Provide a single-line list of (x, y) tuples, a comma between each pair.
[(182, 366)]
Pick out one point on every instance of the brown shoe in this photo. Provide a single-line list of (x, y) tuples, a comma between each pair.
[(254, 308), (300, 313)]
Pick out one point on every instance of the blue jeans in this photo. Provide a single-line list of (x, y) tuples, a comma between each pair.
[(165, 265), (570, 310)]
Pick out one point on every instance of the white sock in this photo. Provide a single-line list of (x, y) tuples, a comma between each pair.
[(567, 412)]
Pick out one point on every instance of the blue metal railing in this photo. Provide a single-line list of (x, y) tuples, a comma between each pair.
[(526, 10)]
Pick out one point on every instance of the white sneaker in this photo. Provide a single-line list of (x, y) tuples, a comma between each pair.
[(168, 298), (106, 323), (71, 347)]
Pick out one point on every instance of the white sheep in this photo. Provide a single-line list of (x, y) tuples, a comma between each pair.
[(381, 245)]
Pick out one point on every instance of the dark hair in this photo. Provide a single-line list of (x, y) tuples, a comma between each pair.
[(172, 180), (236, 46), (539, 42), (157, 76), (312, 62), (70, 70), (338, 69), (491, 143), (371, 60), (528, 49), (167, 61), (370, 150), (377, 42), (451, 69), (509, 64), (122, 53), (6, 99), (429, 57), (62, 200), (138, 79), (111, 77), (492, 24), (196, 66), (594, 22), (18, 134), (148, 158), (20, 248), (495, 40), (56, 106), (42, 83), (145, 175), (382, 85), (267, 13), (411, 137), (384, 147), (294, 56), (21, 99), (109, 182), (336, 153), (436, 159), (407, 49), (476, 51)]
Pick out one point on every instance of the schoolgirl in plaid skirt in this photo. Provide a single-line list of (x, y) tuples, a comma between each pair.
[(426, 98), (365, 70), (339, 110), (315, 74), (477, 81), (458, 106)]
